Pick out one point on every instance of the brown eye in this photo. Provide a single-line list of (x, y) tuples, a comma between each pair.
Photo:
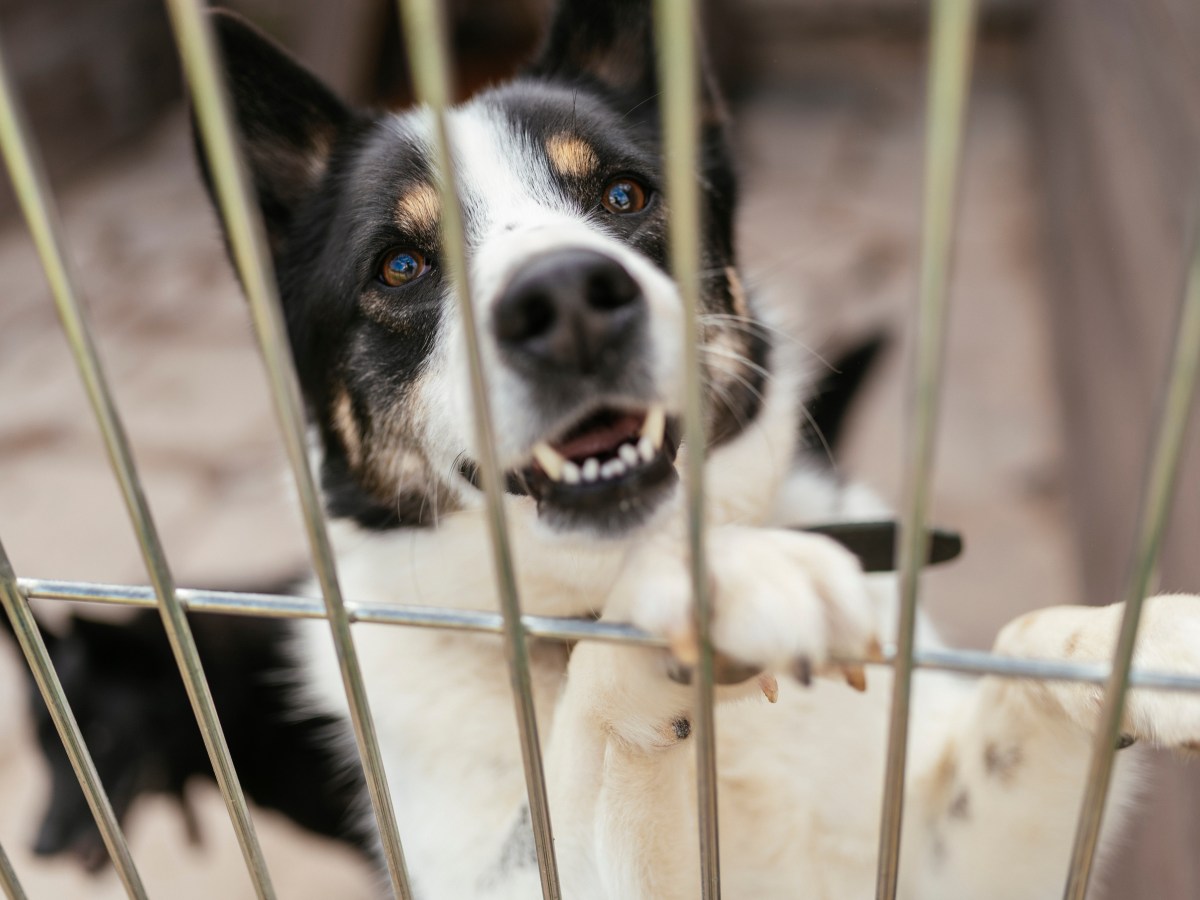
[(401, 267), (623, 196)]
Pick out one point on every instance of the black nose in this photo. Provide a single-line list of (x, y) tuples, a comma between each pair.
[(570, 311)]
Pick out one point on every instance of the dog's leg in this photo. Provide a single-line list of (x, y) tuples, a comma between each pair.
[(620, 761), (994, 802)]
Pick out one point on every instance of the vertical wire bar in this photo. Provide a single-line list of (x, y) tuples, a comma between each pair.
[(34, 197), (1161, 474), (16, 606), (675, 35), (952, 39), (197, 48), (8, 879), (426, 43)]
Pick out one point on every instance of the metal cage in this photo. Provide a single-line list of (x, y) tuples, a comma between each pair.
[(952, 38)]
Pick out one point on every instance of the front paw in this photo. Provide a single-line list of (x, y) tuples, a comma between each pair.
[(782, 602), (1168, 641)]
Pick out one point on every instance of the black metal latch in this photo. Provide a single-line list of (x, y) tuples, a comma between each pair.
[(874, 543)]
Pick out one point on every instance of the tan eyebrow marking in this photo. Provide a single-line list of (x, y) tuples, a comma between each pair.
[(571, 155), (417, 210)]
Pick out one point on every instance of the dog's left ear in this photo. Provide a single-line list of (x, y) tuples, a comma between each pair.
[(610, 43)]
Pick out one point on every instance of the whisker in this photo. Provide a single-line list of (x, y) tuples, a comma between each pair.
[(751, 325), (637, 106), (737, 357), (820, 436), (803, 409), (741, 379)]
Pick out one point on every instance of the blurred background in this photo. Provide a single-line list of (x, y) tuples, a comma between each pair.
[(1081, 184)]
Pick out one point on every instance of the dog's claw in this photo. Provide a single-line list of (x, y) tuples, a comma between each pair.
[(874, 652), (770, 686), (856, 677)]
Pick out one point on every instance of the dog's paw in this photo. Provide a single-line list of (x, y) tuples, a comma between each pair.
[(1168, 641), (782, 602)]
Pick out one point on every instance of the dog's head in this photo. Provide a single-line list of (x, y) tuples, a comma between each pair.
[(560, 177)]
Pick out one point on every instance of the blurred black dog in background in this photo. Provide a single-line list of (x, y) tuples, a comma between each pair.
[(129, 700)]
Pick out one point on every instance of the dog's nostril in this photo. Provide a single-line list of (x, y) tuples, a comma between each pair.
[(532, 315), (611, 289)]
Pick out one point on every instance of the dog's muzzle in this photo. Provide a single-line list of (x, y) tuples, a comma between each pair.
[(573, 324)]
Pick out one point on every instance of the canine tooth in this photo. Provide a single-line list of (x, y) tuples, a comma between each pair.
[(645, 449), (629, 454), (855, 677), (770, 687), (613, 469), (655, 425), (549, 459), (571, 473), (591, 469)]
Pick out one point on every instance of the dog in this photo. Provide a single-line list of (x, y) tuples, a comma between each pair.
[(129, 702), (560, 176), (121, 678)]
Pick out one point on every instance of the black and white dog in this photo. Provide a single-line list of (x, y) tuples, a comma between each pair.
[(560, 175)]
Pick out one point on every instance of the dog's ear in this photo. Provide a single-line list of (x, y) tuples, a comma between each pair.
[(288, 121), (611, 43)]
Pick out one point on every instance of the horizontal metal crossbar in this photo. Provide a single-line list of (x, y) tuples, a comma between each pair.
[(568, 629)]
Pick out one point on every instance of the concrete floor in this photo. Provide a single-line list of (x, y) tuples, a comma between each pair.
[(830, 229)]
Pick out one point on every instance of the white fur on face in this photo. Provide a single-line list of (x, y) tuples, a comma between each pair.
[(515, 211)]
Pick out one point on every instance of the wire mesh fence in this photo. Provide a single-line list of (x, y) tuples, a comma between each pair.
[(952, 35)]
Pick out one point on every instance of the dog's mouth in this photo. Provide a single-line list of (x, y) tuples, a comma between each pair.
[(605, 449), (607, 471)]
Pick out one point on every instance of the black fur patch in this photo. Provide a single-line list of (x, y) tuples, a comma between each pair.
[(128, 698)]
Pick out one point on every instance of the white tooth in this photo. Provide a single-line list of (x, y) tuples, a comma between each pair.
[(645, 449), (591, 469), (628, 454), (614, 468), (655, 425), (549, 459), (571, 474)]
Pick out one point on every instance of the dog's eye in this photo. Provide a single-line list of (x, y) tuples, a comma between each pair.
[(401, 267), (623, 196)]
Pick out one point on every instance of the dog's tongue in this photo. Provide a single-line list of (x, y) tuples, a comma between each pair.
[(600, 438)]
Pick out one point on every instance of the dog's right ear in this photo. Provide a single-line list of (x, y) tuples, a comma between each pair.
[(288, 121)]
